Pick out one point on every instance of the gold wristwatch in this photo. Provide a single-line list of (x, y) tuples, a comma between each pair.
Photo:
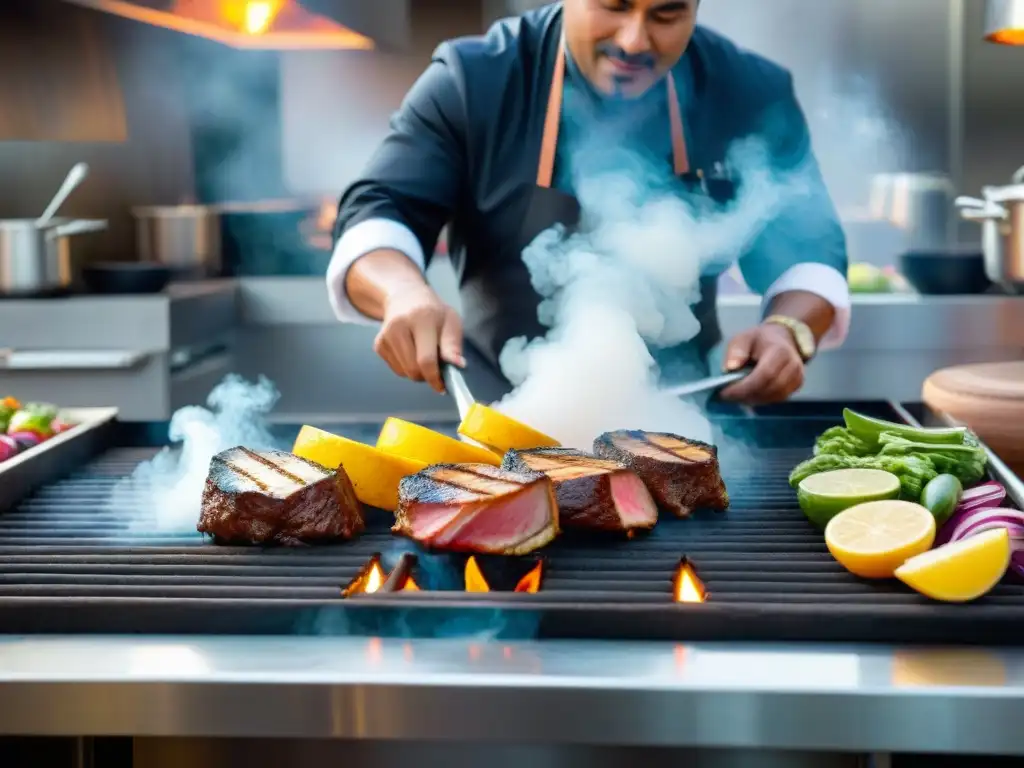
[(803, 336)]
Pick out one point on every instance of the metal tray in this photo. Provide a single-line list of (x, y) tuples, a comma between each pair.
[(57, 457)]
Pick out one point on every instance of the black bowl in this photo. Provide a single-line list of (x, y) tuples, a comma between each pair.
[(126, 277), (945, 272)]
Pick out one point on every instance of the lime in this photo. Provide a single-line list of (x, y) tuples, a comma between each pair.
[(826, 494)]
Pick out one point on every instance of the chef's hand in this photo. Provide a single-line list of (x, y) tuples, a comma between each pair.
[(418, 333), (778, 368)]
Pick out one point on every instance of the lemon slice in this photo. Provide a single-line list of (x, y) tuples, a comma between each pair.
[(826, 494), (403, 438), (501, 433), (873, 539), (374, 474), (961, 571)]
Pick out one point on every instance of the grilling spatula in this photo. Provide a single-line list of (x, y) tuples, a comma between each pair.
[(711, 383)]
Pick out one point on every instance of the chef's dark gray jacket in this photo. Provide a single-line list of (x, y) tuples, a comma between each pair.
[(469, 130)]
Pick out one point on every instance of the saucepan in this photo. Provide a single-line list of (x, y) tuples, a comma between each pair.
[(1001, 216), (36, 260)]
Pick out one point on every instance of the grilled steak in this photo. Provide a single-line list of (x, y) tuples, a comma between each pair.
[(681, 474), (271, 496), (477, 508), (592, 493)]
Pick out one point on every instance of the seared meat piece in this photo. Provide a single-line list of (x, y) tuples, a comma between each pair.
[(477, 508), (592, 493), (271, 496), (681, 474)]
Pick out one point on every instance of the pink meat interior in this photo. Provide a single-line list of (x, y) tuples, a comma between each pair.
[(633, 501)]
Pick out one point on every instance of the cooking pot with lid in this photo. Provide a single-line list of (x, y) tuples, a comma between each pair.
[(36, 261), (1006, 205)]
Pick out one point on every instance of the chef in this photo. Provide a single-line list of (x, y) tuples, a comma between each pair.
[(481, 145)]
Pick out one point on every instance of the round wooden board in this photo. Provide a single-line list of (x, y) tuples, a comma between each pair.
[(989, 398)]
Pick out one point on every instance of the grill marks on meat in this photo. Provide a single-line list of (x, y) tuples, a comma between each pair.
[(477, 508), (592, 493), (263, 497), (681, 474)]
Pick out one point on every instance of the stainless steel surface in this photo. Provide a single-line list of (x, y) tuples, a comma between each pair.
[(1004, 21), (456, 385), (166, 328), (51, 459), (995, 239), (36, 260), (184, 237), (708, 384), (316, 753), (75, 177), (69, 359), (919, 204), (803, 697)]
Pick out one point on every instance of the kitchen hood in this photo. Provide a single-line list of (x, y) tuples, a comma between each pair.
[(250, 24), (1004, 22)]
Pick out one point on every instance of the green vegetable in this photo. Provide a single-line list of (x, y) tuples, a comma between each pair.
[(941, 496), (869, 428), (841, 441), (915, 455), (34, 417)]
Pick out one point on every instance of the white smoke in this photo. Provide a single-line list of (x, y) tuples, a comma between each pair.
[(168, 489), (629, 276)]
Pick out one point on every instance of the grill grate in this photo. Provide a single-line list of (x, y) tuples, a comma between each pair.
[(68, 563)]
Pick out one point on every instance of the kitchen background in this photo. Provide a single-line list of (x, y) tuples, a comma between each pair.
[(169, 102)]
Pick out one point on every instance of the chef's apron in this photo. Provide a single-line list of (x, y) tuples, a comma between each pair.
[(499, 301)]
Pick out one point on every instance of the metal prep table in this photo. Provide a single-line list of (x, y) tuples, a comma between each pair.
[(278, 700)]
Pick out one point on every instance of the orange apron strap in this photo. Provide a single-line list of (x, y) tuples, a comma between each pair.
[(549, 141), (553, 116), (680, 157)]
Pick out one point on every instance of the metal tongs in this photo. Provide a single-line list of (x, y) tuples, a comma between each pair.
[(709, 384), (456, 385)]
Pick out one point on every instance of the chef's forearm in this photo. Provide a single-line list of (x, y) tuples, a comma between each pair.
[(374, 277), (818, 313)]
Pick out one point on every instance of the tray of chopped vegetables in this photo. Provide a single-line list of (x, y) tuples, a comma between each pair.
[(40, 442)]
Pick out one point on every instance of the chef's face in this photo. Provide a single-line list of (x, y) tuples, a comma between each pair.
[(624, 46)]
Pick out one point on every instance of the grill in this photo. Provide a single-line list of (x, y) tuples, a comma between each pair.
[(68, 564)]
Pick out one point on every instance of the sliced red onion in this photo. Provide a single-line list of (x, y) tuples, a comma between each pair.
[(990, 494), (984, 496), (986, 519)]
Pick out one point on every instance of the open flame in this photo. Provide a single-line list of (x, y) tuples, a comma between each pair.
[(687, 586), (368, 580), (531, 581), (373, 578), (477, 582)]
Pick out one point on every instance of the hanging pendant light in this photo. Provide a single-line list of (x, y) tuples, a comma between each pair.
[(1004, 21)]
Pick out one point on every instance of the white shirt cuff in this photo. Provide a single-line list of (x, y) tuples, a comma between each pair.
[(363, 238), (821, 280)]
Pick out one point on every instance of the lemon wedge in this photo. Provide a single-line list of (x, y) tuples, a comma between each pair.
[(374, 474), (501, 433), (961, 571), (403, 438)]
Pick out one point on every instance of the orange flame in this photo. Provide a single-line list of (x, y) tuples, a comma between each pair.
[(410, 586), (687, 587), (370, 579), (475, 581), (531, 581)]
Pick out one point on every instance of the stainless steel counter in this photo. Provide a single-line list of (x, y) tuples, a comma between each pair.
[(702, 695), (283, 328)]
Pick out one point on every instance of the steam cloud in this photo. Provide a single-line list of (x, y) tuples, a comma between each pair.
[(170, 486), (629, 277)]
